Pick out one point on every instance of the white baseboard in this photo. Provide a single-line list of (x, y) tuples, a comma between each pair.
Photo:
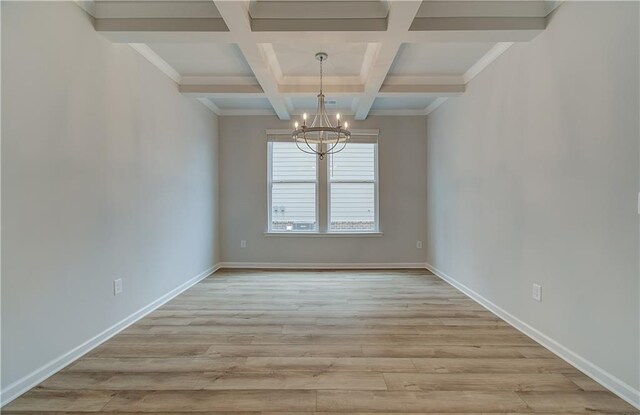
[(606, 379), (322, 265), (22, 385)]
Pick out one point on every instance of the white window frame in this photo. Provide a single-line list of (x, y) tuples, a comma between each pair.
[(376, 215), (323, 197), (270, 183)]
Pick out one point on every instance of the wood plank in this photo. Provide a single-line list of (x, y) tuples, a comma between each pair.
[(106, 380), (153, 364), (444, 351), (227, 400), (478, 382), (325, 363), (576, 402), (390, 401), (287, 350), (52, 400), (295, 380), (428, 365), (149, 350)]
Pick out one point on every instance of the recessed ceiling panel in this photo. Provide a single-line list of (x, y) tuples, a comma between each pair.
[(317, 9), (298, 59), (203, 59), (333, 104), (402, 103), (241, 103), (415, 59)]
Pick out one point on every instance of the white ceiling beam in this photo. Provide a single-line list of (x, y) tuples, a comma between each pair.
[(213, 107), (435, 104), (424, 80), (478, 23), (443, 85), (218, 80), (132, 33), (166, 25), (401, 15), (484, 8), (493, 54), (154, 9), (313, 89), (408, 90), (236, 17), (222, 91), (141, 31), (150, 55), (326, 80)]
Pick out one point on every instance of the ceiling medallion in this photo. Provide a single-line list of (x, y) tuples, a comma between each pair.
[(321, 137)]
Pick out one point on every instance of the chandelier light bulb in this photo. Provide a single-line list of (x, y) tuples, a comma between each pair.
[(346, 125), (338, 116), (296, 125), (304, 116)]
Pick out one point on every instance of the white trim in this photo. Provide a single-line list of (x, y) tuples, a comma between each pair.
[(435, 104), (157, 61), (243, 112), (218, 80), (493, 54), (207, 103), (323, 265), (424, 80), (325, 234), (606, 379), (355, 131), (397, 113), (27, 382)]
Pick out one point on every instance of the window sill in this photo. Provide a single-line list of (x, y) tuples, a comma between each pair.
[(325, 235)]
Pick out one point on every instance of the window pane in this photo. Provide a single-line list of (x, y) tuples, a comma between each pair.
[(289, 163), (293, 207), (352, 207), (355, 162)]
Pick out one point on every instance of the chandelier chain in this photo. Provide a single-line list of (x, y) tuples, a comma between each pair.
[(321, 62)]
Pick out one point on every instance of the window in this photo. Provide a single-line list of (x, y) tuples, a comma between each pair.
[(293, 189), (336, 195), (352, 189)]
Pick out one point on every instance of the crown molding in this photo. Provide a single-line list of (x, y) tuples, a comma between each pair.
[(156, 60)]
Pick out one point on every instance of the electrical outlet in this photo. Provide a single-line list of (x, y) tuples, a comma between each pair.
[(536, 293), (243, 244), (418, 244), (117, 286)]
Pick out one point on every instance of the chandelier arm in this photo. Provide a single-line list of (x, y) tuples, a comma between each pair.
[(341, 148), (334, 145), (308, 145), (303, 150)]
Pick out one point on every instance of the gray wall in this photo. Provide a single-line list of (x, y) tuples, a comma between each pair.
[(243, 197), (107, 172), (533, 177)]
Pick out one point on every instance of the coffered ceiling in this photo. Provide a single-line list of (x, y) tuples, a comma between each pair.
[(257, 57)]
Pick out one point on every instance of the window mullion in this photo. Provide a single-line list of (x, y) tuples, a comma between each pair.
[(322, 200)]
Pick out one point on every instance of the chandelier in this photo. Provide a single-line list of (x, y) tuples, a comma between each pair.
[(321, 137)]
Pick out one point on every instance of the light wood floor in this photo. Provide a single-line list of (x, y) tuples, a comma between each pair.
[(326, 341)]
